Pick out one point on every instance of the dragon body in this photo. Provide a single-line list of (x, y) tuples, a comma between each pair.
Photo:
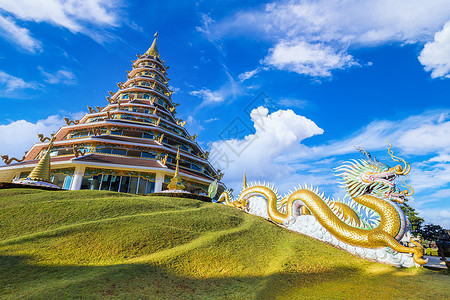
[(7, 160), (367, 218)]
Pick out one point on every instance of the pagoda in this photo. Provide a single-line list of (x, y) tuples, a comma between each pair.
[(130, 145)]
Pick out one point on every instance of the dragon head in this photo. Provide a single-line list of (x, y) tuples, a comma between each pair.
[(369, 176)]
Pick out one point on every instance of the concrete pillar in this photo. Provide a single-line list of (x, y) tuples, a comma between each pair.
[(158, 182), (77, 178)]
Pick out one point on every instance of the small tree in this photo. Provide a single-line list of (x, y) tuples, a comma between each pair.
[(413, 217), (432, 232)]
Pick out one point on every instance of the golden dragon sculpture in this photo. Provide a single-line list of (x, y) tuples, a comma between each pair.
[(370, 188), (7, 160)]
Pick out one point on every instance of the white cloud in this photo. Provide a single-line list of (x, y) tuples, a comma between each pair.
[(18, 35), (207, 95), (211, 120), (67, 14), (422, 134), (275, 133), (436, 216), (65, 77), (330, 28), (227, 92), (11, 83), (78, 16), (316, 60), (18, 136), (435, 56), (247, 75), (289, 102)]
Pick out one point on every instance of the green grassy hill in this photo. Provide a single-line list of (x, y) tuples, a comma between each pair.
[(94, 244)]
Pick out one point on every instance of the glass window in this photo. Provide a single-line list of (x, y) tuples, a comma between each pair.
[(134, 181), (195, 167), (124, 184), (95, 183), (67, 182), (135, 153), (142, 185), (106, 181), (115, 183), (100, 149), (57, 179), (148, 154), (150, 188), (147, 135), (119, 152), (86, 183)]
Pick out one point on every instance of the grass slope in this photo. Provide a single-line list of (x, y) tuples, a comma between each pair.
[(94, 244)]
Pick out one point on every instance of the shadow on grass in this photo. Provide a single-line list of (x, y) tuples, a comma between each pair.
[(20, 279)]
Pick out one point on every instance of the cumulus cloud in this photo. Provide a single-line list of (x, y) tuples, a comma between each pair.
[(333, 28), (10, 83), (78, 16), (316, 60), (435, 56), (275, 133), (18, 136)]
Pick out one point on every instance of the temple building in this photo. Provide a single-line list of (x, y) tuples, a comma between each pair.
[(130, 145)]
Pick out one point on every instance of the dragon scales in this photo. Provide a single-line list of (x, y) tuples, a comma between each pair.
[(370, 191)]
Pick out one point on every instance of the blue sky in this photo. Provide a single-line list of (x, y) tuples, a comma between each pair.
[(283, 90)]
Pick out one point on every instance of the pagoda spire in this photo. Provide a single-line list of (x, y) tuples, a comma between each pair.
[(153, 50), (41, 171), (176, 183)]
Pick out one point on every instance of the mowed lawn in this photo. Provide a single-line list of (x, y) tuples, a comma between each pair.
[(94, 244)]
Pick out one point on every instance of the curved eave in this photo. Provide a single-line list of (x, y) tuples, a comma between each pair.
[(145, 68), (146, 58), (141, 90)]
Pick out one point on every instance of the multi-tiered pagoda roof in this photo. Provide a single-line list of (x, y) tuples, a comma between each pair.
[(130, 145)]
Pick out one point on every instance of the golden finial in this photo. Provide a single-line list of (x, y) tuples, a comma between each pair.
[(153, 50), (245, 182), (176, 183)]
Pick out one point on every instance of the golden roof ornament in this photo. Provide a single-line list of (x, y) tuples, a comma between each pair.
[(41, 171), (153, 50), (176, 183)]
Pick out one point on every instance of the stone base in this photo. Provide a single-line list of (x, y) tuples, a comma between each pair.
[(16, 185), (29, 182)]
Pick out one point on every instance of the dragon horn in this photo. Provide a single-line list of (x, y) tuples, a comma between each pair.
[(403, 171), (410, 191), (366, 154)]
